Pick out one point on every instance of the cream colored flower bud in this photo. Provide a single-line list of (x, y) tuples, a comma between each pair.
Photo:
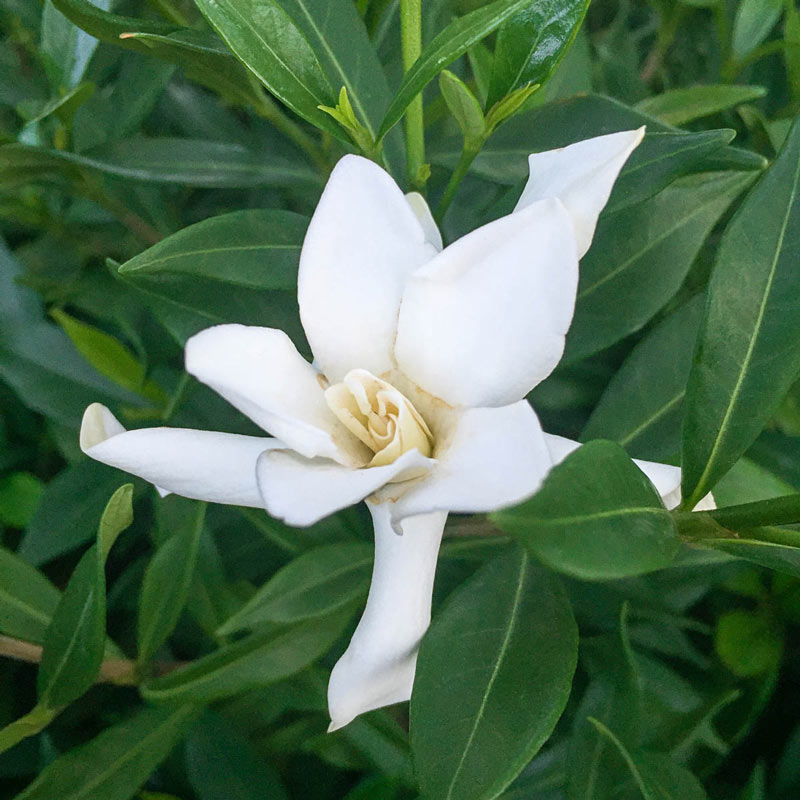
[(382, 417)]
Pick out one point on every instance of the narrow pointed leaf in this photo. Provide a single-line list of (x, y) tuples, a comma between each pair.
[(27, 599), (679, 106), (493, 676), (748, 353), (596, 517), (531, 44), (640, 257), (114, 765)]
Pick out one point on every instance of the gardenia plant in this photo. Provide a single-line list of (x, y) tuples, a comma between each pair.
[(415, 401)]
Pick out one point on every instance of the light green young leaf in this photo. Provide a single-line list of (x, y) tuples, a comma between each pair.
[(315, 583), (74, 642), (463, 105), (110, 357), (747, 355), (116, 763), (596, 517), (32, 723), (166, 585), (509, 626)]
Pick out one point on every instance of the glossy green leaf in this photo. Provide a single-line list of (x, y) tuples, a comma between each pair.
[(531, 44), (251, 663), (248, 250), (74, 642), (747, 355), (493, 676), (104, 25), (780, 557), (166, 585), (753, 22), (27, 599), (69, 509), (679, 106), (640, 257), (110, 357), (222, 765), (641, 406), (595, 517), (186, 161), (318, 582), (115, 764), (450, 43), (265, 38)]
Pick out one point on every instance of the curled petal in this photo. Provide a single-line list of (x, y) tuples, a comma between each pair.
[(377, 669), (494, 457), (419, 205), (581, 175), (485, 320), (665, 478), (203, 465), (363, 242), (301, 491), (260, 372)]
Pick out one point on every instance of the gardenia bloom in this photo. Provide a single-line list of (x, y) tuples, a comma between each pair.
[(415, 401)]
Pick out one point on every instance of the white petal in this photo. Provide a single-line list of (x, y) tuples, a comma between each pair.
[(495, 457), (419, 205), (363, 242), (485, 320), (203, 465), (377, 669), (301, 491), (581, 176), (665, 478), (260, 372)]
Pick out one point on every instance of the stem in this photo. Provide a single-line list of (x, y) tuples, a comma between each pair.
[(411, 39), (778, 511), (269, 110), (118, 671), (467, 157)]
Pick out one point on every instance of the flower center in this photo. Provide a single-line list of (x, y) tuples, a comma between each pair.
[(382, 417)]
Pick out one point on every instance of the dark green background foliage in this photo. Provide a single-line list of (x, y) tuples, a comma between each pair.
[(159, 161)]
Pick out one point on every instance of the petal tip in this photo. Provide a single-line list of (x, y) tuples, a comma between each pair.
[(97, 425)]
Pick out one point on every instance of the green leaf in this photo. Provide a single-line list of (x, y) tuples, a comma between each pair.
[(531, 44), (679, 106), (641, 406), (506, 645), (166, 585), (20, 493), (64, 107), (463, 105), (450, 43), (656, 776), (69, 509), (316, 583), (265, 38), (251, 663), (104, 25), (747, 355), (191, 162), (116, 763), (27, 599), (641, 255), (110, 357), (74, 642), (596, 517), (221, 764), (772, 555), (32, 723), (748, 642), (753, 22)]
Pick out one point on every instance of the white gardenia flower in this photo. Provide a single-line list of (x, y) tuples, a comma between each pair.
[(415, 402)]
